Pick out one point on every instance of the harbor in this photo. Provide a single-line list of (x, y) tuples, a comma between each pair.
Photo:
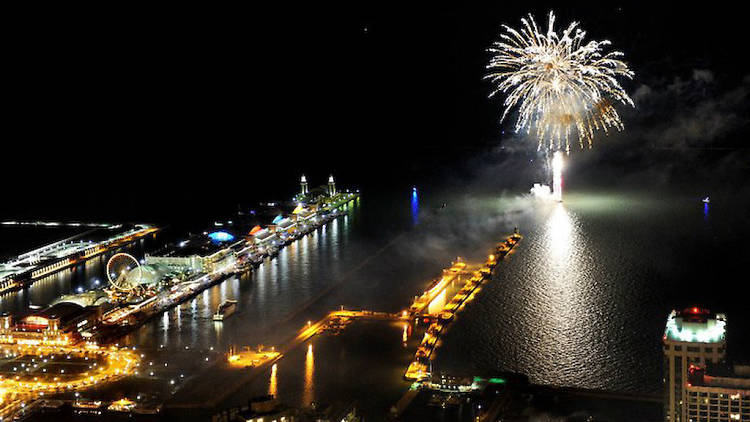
[(282, 293), (99, 320), (422, 313)]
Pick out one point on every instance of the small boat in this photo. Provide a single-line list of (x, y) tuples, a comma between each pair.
[(224, 310), (706, 200)]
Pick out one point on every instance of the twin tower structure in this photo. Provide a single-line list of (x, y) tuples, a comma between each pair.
[(304, 190)]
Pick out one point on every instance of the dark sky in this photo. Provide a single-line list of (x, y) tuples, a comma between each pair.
[(164, 104)]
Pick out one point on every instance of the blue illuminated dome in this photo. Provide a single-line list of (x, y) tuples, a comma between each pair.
[(221, 236)]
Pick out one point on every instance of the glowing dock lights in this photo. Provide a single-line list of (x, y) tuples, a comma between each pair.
[(417, 369), (252, 358), (112, 365)]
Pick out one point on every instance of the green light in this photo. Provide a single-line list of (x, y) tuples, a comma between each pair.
[(478, 380)]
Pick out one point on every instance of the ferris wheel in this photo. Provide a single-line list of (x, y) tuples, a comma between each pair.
[(119, 268)]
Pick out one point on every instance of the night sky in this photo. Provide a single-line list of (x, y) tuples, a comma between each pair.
[(120, 111)]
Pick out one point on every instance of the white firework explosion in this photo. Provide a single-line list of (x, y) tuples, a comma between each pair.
[(562, 86)]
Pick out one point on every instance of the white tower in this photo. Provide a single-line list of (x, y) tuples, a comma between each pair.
[(303, 185), (331, 186)]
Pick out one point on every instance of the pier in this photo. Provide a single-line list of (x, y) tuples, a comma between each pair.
[(28, 267), (202, 395), (418, 369), (236, 258), (231, 258)]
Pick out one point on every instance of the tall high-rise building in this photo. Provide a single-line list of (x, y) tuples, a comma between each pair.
[(693, 336)]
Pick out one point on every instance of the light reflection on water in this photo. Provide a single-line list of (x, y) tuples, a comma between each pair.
[(308, 393), (559, 237), (414, 207), (583, 299), (273, 382), (265, 296), (560, 309)]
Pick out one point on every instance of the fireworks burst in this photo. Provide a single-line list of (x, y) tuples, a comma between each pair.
[(562, 86)]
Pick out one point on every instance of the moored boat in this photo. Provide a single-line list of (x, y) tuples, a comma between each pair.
[(224, 310)]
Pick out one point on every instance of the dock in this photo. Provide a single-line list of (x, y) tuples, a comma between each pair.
[(418, 368)]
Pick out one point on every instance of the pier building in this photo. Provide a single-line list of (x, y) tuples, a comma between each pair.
[(58, 325), (197, 253)]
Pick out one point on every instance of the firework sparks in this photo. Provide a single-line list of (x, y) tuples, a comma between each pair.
[(563, 87)]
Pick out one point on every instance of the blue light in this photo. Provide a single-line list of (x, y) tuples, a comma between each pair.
[(221, 236), (277, 219), (705, 211), (414, 207)]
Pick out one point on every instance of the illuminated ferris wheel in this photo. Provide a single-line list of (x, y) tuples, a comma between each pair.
[(120, 272)]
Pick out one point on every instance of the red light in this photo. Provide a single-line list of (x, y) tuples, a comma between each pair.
[(695, 310)]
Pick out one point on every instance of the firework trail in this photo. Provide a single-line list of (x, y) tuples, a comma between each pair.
[(563, 88)]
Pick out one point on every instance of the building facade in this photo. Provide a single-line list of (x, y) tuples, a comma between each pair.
[(717, 393), (693, 336)]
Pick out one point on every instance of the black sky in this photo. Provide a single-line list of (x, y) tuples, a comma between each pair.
[(171, 102)]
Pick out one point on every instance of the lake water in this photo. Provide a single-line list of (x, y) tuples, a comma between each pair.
[(581, 302)]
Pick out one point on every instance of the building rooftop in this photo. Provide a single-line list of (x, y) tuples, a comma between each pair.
[(697, 325), (194, 245), (720, 375), (64, 311)]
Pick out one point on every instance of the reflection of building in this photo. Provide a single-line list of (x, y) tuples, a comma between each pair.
[(694, 337), (60, 324), (717, 393)]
